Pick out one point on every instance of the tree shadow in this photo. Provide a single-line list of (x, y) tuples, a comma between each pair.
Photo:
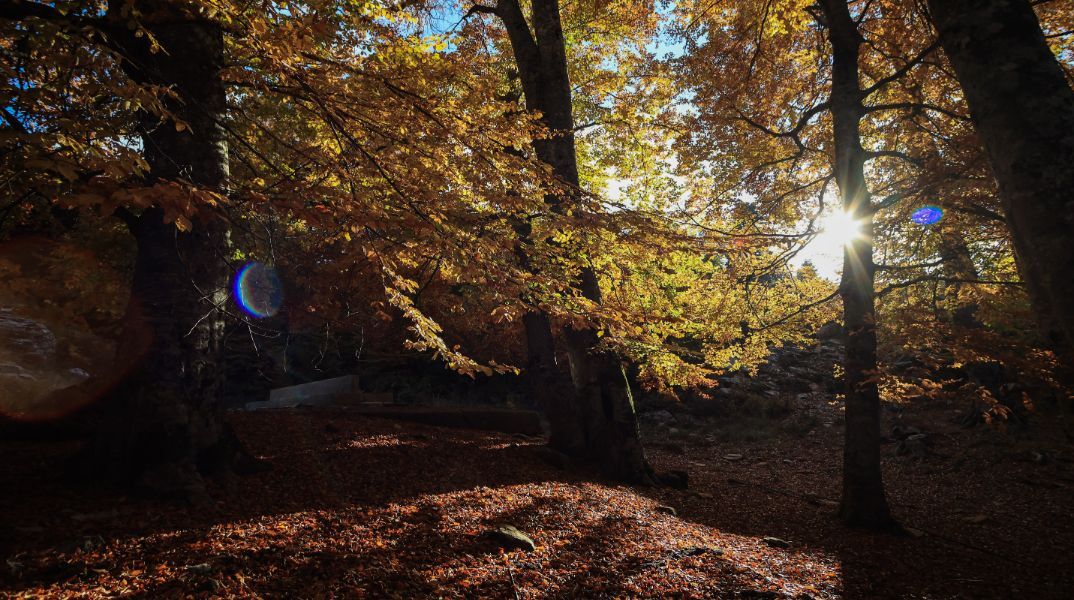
[(372, 507), (942, 556), (318, 462)]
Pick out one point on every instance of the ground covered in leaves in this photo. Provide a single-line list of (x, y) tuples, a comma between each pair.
[(362, 507)]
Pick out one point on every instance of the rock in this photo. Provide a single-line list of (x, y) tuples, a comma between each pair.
[(26, 338), (901, 433), (916, 445), (685, 420), (829, 331), (732, 457), (676, 479), (776, 542), (509, 537), (14, 371), (806, 373), (553, 457), (667, 510), (660, 417), (200, 569), (174, 480)]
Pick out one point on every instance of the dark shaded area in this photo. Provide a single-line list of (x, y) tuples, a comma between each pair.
[(352, 480)]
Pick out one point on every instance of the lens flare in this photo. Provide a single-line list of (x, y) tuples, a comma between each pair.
[(258, 290), (927, 215), (838, 230)]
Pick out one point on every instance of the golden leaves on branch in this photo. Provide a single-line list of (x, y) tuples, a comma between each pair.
[(182, 204)]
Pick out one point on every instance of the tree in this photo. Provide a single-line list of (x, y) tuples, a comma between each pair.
[(310, 103), (599, 421), (791, 97), (1023, 108), (166, 425), (864, 502)]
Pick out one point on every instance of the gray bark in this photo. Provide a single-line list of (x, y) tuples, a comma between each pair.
[(1023, 109)]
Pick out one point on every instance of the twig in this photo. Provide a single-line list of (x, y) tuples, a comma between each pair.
[(511, 574)]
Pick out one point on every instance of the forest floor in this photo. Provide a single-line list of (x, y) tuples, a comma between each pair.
[(361, 507)]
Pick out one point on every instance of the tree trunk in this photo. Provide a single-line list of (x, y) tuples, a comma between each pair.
[(1023, 109), (550, 389), (167, 427), (599, 421), (864, 503), (958, 268)]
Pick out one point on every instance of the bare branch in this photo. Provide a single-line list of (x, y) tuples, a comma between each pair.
[(906, 68), (915, 107), (873, 154), (798, 311), (923, 278)]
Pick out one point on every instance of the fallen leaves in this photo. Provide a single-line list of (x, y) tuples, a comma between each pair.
[(371, 508)]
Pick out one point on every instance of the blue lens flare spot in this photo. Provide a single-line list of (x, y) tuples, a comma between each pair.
[(258, 290), (927, 215)]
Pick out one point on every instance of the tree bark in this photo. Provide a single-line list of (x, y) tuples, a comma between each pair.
[(958, 267), (166, 427), (1023, 109), (864, 503), (599, 421)]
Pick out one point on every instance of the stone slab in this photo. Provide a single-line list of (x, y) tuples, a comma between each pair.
[(347, 384), (295, 402)]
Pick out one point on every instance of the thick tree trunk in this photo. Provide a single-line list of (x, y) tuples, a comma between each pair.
[(550, 389), (599, 422), (1023, 109), (167, 427), (863, 503), (958, 268)]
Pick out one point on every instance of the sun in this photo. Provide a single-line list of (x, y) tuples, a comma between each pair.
[(825, 250), (837, 230)]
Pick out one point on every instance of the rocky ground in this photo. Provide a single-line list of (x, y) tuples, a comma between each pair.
[(35, 361)]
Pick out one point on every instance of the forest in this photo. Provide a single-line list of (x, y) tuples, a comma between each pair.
[(537, 298)]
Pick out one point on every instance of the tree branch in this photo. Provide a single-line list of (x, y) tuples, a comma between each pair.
[(872, 154), (910, 64), (916, 107), (915, 280), (19, 10)]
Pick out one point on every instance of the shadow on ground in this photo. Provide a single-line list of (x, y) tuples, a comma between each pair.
[(364, 506)]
